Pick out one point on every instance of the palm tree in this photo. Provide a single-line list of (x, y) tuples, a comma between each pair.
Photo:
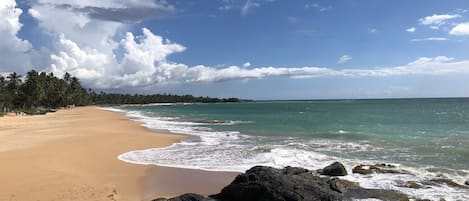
[(13, 87), (3, 95)]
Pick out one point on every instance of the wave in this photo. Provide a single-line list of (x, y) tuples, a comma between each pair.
[(233, 151)]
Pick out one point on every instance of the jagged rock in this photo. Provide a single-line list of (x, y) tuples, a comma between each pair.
[(187, 197), (360, 169), (448, 182), (334, 169), (296, 184), (413, 184), (342, 186), (378, 168), (291, 184)]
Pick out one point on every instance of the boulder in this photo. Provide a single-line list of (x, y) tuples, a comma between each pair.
[(413, 184), (467, 182), (448, 182), (361, 169), (291, 184), (187, 197), (334, 169), (297, 184), (378, 168)]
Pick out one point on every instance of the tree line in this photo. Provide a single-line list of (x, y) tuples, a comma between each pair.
[(40, 90), (47, 91), (115, 98)]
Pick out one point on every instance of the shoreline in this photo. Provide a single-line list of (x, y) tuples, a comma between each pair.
[(72, 155)]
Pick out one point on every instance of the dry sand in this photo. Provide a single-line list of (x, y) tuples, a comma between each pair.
[(72, 155)]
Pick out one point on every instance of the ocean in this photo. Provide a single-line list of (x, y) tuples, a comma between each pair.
[(427, 137)]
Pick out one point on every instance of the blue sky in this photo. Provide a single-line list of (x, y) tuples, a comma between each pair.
[(257, 49)]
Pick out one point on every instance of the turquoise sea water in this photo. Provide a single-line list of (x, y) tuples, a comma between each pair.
[(429, 137)]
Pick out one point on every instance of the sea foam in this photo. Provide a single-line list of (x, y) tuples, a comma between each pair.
[(233, 151)]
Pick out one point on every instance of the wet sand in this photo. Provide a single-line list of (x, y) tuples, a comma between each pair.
[(72, 155)]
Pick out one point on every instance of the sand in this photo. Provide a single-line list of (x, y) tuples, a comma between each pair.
[(72, 155)]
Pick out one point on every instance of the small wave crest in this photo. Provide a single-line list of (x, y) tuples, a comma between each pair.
[(233, 151)]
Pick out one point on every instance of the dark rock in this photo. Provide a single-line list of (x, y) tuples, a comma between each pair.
[(361, 170), (291, 184), (449, 182), (342, 186), (378, 168), (296, 184), (413, 184), (187, 197), (334, 169), (467, 182)]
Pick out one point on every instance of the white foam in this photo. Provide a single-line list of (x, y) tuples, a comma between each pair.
[(233, 151)]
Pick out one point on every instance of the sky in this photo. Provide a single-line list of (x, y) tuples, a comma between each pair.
[(252, 49)]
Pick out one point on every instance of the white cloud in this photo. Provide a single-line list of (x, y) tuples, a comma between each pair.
[(460, 29), (429, 39), (372, 30), (344, 59), (437, 19), (85, 47), (34, 13), (411, 29), (248, 6), (317, 7), (13, 50), (226, 5)]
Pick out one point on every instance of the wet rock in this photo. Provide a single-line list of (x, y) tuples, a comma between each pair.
[(187, 197), (378, 168), (291, 184), (449, 182), (342, 186), (334, 169), (361, 169), (413, 184), (297, 184)]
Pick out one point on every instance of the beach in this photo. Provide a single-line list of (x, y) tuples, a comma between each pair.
[(72, 155)]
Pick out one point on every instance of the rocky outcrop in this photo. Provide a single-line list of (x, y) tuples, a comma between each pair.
[(413, 184), (448, 182), (334, 169), (291, 184), (187, 197), (377, 168)]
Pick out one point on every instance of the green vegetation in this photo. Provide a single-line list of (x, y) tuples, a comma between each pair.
[(103, 98), (39, 92)]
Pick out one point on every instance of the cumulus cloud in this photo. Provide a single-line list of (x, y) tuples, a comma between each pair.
[(437, 19), (13, 49), (344, 59), (460, 29), (411, 29), (85, 46)]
